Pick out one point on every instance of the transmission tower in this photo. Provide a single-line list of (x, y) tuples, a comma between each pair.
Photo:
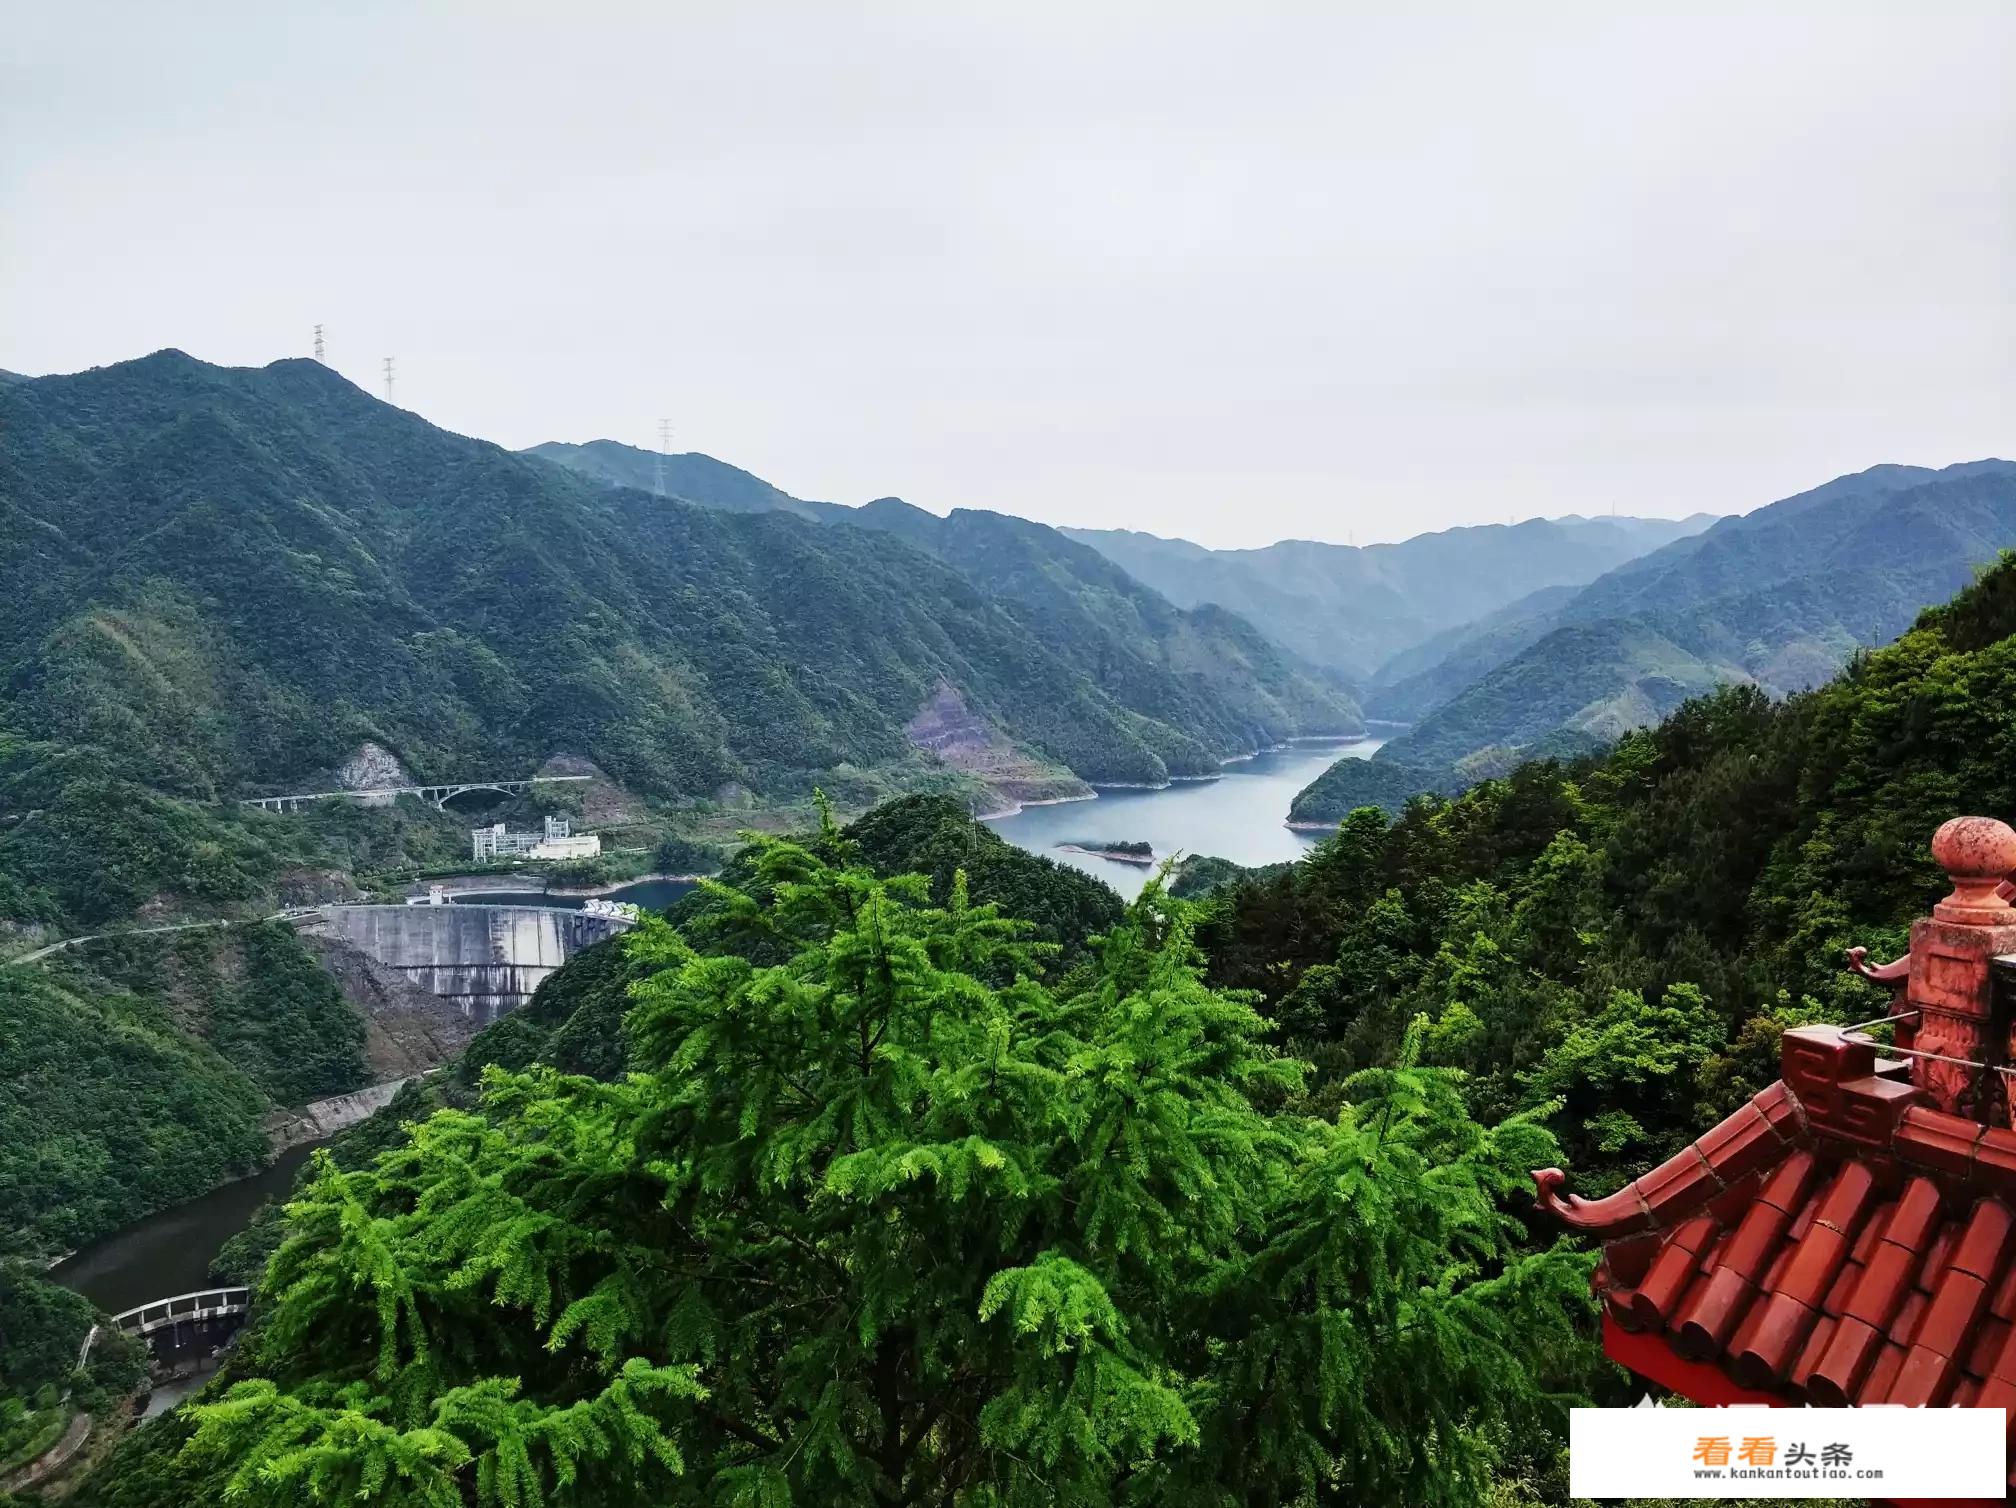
[(664, 449), (318, 344), (388, 379)]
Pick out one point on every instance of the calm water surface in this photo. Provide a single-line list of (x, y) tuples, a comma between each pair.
[(1239, 816), (171, 1252)]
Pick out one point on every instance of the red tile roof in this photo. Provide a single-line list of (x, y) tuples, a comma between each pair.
[(1847, 1246), (1849, 1236)]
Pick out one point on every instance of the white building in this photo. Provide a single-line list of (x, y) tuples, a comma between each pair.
[(558, 841)]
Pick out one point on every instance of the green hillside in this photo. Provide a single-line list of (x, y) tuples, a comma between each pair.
[(1206, 671), (110, 1110), (1784, 544), (1781, 598), (1628, 931), (139, 1070), (232, 578), (1584, 960), (1351, 783)]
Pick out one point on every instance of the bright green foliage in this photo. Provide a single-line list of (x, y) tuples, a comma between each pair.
[(253, 992), (892, 1220), (135, 1071), (1623, 938)]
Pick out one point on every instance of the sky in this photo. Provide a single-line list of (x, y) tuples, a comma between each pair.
[(1234, 273)]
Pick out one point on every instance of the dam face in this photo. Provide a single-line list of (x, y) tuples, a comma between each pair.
[(486, 959)]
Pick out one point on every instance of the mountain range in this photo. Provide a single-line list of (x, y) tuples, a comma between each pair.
[(1353, 609), (1067, 595), (227, 579), (1780, 597)]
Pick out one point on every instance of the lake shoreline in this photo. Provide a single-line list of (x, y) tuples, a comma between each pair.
[(1112, 855), (1235, 816), (1020, 807)]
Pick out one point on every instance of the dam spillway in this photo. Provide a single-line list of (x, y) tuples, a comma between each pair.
[(486, 959)]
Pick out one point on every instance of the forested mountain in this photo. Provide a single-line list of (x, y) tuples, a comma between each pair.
[(232, 578), (1781, 597), (140, 1068), (1355, 608), (1338, 606), (1205, 669)]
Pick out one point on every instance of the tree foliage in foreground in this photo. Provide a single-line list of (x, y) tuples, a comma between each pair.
[(863, 1227)]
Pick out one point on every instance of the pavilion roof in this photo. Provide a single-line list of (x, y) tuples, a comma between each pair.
[(1849, 1235)]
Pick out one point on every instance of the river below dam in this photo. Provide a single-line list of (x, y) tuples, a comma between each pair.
[(171, 1252), (1241, 816)]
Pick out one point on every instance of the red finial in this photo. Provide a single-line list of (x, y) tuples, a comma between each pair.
[(1978, 854)]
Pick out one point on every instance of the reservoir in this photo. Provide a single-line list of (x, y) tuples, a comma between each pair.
[(1240, 816)]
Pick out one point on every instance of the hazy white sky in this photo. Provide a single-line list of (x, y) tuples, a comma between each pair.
[(1231, 272)]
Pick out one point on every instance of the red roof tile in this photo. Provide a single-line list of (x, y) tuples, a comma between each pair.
[(1833, 1271), (1849, 1236)]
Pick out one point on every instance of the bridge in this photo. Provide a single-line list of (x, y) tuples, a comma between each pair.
[(170, 1327), (435, 795), (183, 1309)]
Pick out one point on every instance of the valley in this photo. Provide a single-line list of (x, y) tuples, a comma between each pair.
[(236, 882), (1007, 757)]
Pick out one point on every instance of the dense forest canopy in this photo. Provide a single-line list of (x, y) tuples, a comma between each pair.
[(139, 1071), (898, 1165), (1628, 932), (43, 1335), (1206, 670), (840, 1187), (896, 1218)]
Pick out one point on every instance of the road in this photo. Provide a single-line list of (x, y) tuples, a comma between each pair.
[(53, 1459), (229, 921)]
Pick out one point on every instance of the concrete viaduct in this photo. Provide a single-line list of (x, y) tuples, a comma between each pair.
[(434, 795)]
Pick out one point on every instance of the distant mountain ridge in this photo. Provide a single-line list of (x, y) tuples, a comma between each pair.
[(1782, 597), (1065, 593), (1345, 608), (1353, 608), (687, 475)]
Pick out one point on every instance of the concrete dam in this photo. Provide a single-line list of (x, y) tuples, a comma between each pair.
[(486, 959)]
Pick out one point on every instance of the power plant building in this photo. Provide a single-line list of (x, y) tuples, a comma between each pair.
[(558, 841)]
